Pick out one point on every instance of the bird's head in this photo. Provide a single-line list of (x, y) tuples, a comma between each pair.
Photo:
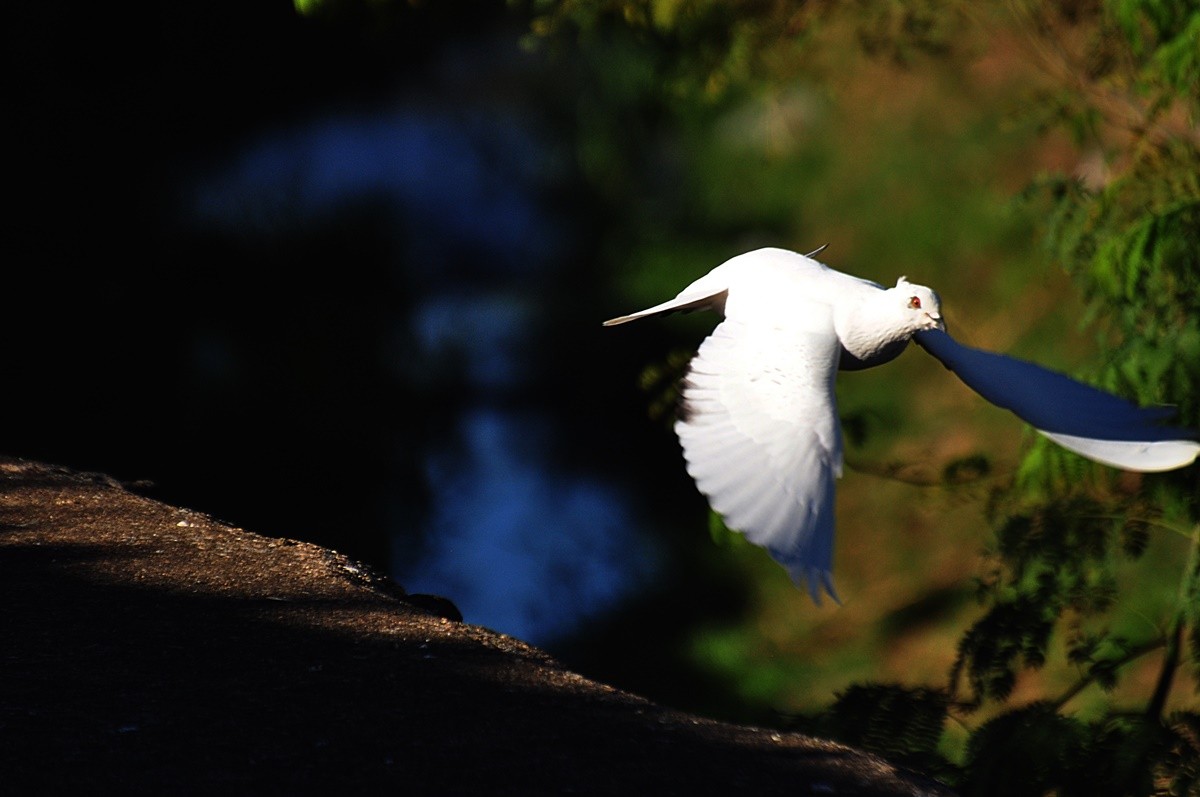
[(919, 306)]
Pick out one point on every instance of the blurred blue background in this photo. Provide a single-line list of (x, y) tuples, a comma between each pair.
[(330, 285)]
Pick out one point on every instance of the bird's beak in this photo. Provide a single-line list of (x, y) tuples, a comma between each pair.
[(936, 321)]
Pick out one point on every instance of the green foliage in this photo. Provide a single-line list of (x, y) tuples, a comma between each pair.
[(1163, 35), (1178, 771), (1134, 247), (1130, 755), (713, 45), (905, 31), (1056, 570), (1012, 634), (704, 44)]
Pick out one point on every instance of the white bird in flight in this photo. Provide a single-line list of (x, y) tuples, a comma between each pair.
[(759, 425)]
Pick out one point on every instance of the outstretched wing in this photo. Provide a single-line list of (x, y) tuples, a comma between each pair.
[(761, 438), (1098, 425)]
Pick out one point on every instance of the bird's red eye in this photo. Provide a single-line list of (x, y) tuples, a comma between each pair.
[(915, 303)]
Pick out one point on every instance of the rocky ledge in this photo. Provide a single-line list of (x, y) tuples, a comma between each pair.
[(152, 649)]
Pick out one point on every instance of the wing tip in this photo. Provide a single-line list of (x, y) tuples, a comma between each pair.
[(1140, 456), (817, 581)]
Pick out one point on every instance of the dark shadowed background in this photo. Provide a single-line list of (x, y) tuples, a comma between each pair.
[(333, 279)]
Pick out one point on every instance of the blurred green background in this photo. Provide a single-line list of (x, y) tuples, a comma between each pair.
[(335, 270)]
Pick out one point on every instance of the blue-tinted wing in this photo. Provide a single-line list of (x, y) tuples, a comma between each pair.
[(1084, 419)]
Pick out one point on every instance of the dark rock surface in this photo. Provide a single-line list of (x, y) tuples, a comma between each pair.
[(147, 649)]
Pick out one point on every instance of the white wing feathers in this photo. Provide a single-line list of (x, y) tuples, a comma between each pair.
[(1147, 456), (761, 436)]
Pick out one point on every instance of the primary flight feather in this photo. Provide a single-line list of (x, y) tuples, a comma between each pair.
[(759, 426)]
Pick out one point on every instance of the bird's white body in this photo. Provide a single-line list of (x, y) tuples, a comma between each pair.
[(759, 425), (791, 288)]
